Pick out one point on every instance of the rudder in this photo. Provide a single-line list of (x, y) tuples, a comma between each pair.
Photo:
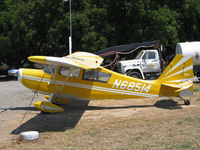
[(178, 71)]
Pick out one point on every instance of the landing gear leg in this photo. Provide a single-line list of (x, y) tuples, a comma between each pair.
[(186, 101), (53, 99), (50, 98)]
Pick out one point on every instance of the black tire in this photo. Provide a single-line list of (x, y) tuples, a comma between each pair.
[(45, 113), (55, 102), (186, 102), (135, 74)]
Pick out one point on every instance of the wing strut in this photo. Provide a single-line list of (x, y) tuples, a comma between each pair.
[(58, 91), (47, 107)]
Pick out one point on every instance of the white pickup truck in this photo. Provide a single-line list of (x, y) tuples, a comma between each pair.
[(146, 65), (142, 60)]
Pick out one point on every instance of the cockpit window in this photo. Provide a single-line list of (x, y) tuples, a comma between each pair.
[(94, 75), (66, 71), (48, 69)]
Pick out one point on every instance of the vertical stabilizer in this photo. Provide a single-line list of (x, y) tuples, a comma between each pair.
[(177, 79), (178, 71)]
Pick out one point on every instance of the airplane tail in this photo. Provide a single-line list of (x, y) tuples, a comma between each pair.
[(178, 75)]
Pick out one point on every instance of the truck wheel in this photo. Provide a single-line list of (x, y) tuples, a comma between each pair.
[(135, 75)]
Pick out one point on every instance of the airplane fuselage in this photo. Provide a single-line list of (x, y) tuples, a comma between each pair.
[(100, 83)]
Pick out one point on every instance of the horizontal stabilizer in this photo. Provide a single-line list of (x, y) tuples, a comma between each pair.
[(185, 85), (179, 87)]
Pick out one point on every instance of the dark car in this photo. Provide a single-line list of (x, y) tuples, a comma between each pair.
[(13, 73)]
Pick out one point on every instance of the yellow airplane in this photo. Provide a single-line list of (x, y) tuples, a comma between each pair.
[(80, 75)]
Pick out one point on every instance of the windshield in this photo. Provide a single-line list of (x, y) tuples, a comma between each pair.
[(139, 55), (48, 69)]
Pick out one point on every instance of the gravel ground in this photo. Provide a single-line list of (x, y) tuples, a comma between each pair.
[(15, 100), (13, 95)]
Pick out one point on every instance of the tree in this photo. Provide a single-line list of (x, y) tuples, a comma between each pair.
[(41, 27), (162, 24), (190, 20)]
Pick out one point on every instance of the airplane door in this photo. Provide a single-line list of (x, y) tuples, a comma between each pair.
[(150, 62)]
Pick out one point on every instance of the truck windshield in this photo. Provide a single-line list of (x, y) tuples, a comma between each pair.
[(139, 55)]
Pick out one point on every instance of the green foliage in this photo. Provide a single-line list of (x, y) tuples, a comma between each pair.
[(92, 133), (179, 122), (189, 119), (196, 89), (186, 146), (162, 25), (41, 27)]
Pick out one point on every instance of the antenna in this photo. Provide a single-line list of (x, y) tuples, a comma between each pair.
[(70, 36)]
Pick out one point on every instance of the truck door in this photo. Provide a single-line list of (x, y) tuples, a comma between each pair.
[(150, 62)]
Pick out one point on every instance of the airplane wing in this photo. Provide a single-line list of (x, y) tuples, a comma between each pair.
[(78, 60)]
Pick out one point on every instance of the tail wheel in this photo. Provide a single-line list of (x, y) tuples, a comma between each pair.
[(186, 102), (135, 74)]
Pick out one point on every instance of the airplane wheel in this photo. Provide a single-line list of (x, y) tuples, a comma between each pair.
[(43, 112), (186, 102), (56, 103)]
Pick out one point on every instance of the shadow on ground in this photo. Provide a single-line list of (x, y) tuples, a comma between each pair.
[(168, 104), (73, 113), (55, 122), (165, 104)]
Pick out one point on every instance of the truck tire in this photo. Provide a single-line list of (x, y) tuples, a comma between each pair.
[(135, 74)]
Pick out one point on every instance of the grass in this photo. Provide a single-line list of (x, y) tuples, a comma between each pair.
[(179, 122), (186, 146), (189, 119), (198, 119), (196, 89), (92, 133), (198, 99)]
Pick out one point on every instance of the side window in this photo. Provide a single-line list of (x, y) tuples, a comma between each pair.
[(94, 75), (75, 73), (152, 55), (65, 71)]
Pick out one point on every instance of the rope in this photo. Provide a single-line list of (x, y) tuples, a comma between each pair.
[(35, 92), (122, 53)]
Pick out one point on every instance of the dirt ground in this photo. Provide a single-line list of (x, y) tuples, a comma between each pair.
[(163, 123)]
